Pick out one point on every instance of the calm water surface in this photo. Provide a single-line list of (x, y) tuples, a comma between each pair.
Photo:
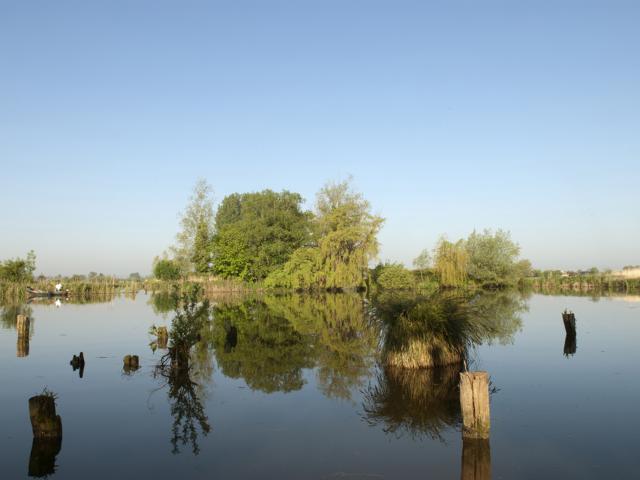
[(291, 388)]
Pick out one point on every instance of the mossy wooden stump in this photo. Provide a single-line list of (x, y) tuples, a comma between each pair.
[(44, 421), (474, 401), (131, 363), (476, 459), (22, 326), (163, 337)]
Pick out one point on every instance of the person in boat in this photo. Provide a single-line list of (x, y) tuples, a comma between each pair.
[(58, 287)]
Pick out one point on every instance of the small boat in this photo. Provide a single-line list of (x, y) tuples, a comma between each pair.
[(32, 292)]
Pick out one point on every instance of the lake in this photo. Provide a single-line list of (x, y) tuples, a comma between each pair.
[(293, 387)]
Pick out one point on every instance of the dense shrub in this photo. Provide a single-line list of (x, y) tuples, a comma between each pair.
[(166, 270), (395, 277)]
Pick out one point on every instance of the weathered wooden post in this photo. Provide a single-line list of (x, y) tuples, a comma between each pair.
[(476, 459), (163, 337), (44, 421), (22, 326), (474, 401), (569, 320)]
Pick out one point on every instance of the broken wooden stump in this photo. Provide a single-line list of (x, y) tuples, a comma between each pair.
[(22, 326), (162, 337), (77, 362), (474, 401), (44, 421), (131, 363), (569, 320), (476, 459)]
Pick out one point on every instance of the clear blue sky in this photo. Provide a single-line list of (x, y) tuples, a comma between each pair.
[(450, 115)]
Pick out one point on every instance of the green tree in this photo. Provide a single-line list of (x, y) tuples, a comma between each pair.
[(197, 216), (492, 258), (345, 240), (19, 270), (257, 233), (451, 262), (202, 248), (165, 269)]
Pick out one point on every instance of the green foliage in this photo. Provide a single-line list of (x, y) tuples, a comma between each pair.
[(493, 258), (451, 263), (166, 269), (395, 276), (18, 270), (299, 273), (257, 233), (201, 258), (439, 329), (345, 242), (197, 219)]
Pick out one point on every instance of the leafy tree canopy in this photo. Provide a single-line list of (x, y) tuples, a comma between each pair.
[(345, 241), (257, 233), (493, 258), (166, 269)]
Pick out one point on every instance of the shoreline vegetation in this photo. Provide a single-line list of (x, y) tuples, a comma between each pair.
[(265, 241)]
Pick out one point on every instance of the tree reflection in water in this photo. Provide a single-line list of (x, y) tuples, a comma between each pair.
[(176, 368), (270, 341)]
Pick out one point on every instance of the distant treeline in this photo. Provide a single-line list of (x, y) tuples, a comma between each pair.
[(592, 281)]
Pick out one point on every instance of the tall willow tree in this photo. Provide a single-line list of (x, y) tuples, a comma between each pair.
[(196, 222), (345, 241), (451, 262)]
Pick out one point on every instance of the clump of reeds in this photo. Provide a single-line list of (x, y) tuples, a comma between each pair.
[(425, 333), (425, 352)]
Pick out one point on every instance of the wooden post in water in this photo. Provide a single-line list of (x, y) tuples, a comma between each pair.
[(22, 326), (476, 459), (44, 421), (474, 401), (569, 320)]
